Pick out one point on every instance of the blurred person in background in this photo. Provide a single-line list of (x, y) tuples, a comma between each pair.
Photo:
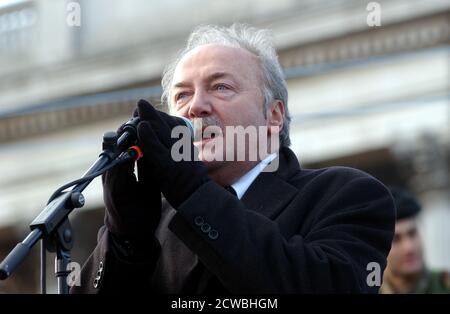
[(406, 271)]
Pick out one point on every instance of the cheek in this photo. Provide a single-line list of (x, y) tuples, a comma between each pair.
[(245, 110), (183, 112), (250, 115), (417, 245), (393, 255)]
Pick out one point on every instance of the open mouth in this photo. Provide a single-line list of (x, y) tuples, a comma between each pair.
[(207, 135), (205, 139)]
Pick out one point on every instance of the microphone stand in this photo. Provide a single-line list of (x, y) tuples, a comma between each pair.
[(52, 224)]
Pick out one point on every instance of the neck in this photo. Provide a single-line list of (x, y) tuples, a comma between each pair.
[(402, 283), (226, 173)]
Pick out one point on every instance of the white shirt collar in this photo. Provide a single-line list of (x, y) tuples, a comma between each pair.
[(242, 185)]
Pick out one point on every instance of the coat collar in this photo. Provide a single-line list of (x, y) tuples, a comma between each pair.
[(270, 192)]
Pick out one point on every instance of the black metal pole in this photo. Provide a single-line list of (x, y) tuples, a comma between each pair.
[(17, 255), (62, 260), (43, 267), (52, 224)]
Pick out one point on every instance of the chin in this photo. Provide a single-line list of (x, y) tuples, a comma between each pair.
[(210, 164), (209, 157)]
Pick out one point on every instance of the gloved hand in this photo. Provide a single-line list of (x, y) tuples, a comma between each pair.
[(133, 208), (177, 179)]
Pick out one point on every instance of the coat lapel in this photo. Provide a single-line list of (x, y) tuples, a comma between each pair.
[(268, 195), (270, 192)]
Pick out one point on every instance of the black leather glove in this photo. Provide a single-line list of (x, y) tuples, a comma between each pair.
[(133, 208), (177, 179)]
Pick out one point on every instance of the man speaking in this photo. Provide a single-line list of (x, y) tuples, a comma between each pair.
[(220, 224)]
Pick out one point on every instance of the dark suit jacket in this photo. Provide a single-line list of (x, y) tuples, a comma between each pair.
[(293, 231)]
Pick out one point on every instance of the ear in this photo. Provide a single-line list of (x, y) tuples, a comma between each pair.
[(275, 115)]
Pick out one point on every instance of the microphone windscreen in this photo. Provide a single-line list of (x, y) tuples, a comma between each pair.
[(189, 124)]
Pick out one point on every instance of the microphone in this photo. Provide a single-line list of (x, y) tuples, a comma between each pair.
[(129, 134), (188, 123)]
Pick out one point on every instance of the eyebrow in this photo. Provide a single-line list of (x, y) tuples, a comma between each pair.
[(218, 75), (212, 77)]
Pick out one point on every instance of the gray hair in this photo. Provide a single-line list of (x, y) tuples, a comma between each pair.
[(256, 41)]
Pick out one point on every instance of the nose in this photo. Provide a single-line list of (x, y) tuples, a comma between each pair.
[(200, 106), (409, 246)]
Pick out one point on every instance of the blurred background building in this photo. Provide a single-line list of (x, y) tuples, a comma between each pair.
[(372, 97)]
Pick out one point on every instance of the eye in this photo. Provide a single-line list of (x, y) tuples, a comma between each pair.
[(221, 87), (180, 96), (412, 233), (396, 239)]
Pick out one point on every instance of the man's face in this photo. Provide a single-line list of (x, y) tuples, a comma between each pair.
[(405, 257), (221, 85)]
